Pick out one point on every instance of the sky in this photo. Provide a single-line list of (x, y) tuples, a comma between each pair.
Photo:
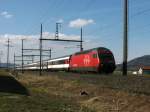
[(101, 20)]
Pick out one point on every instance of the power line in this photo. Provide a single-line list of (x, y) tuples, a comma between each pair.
[(140, 13)]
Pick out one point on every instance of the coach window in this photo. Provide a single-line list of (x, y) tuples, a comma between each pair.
[(61, 61), (56, 62), (52, 62)]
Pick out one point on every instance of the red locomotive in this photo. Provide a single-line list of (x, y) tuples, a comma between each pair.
[(94, 60)]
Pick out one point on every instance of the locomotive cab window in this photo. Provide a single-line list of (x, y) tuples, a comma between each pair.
[(94, 55)]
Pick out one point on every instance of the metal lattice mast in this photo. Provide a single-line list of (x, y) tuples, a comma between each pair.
[(41, 51), (57, 30), (81, 43), (22, 63), (8, 45)]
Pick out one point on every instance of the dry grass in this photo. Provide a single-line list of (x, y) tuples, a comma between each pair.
[(99, 98), (118, 102), (46, 95)]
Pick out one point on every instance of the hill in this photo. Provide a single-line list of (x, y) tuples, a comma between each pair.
[(4, 65), (137, 62)]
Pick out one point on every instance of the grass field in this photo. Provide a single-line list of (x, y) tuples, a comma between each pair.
[(33, 98), (61, 92)]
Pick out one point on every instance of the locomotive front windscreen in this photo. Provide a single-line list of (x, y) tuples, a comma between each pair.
[(107, 60), (106, 56)]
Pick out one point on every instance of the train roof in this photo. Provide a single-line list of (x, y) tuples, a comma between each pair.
[(60, 58), (86, 51), (67, 56)]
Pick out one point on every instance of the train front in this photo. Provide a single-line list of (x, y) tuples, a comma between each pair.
[(106, 60)]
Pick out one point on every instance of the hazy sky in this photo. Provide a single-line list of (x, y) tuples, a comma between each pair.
[(102, 22)]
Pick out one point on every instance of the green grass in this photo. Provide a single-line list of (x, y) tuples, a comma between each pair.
[(39, 100), (3, 72), (37, 103), (129, 83)]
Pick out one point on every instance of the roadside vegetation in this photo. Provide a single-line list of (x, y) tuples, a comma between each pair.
[(38, 99), (73, 92)]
